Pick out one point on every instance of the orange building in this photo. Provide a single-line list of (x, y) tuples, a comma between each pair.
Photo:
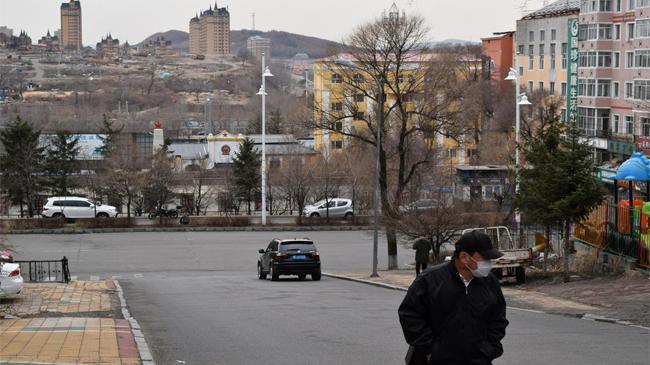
[(500, 51)]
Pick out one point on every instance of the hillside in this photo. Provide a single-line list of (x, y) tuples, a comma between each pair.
[(283, 44)]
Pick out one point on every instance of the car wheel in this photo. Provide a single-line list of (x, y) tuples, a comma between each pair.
[(58, 215), (260, 273), (520, 274), (314, 215), (315, 276), (152, 215), (102, 215), (302, 276), (348, 215), (275, 276)]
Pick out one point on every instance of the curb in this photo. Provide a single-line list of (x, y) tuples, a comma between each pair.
[(143, 348), (363, 281), (586, 316), (188, 229)]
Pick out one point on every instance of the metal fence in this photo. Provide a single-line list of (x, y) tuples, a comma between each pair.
[(45, 270)]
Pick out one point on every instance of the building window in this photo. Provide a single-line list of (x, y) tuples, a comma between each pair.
[(521, 70), (629, 125), (337, 107), (337, 145), (451, 153), (629, 59), (587, 87), (630, 31), (592, 32), (615, 90), (629, 90), (337, 126), (542, 35), (642, 89), (564, 55), (604, 88), (531, 55), (618, 6), (520, 49), (551, 88), (642, 28), (358, 79), (642, 58), (645, 127), (531, 36), (617, 59), (337, 79), (552, 56), (359, 116), (617, 31), (563, 89), (541, 86), (541, 56), (553, 34), (563, 115), (630, 5), (359, 98), (530, 86), (617, 121)]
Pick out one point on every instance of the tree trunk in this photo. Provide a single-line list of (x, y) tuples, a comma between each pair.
[(567, 251), (391, 237), (546, 249)]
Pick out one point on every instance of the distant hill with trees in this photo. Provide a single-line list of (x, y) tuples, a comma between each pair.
[(283, 44)]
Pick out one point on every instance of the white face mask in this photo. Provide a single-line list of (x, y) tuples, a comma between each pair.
[(483, 268)]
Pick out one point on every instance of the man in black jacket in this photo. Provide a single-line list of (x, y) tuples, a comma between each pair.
[(455, 313)]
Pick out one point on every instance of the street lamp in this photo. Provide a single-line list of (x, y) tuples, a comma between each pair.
[(380, 124), (266, 72), (520, 99)]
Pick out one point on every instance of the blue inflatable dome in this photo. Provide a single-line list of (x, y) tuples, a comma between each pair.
[(636, 168)]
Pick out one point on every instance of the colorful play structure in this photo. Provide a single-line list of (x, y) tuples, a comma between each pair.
[(622, 226)]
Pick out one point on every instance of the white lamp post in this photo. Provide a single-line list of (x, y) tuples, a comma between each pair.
[(520, 99), (266, 72)]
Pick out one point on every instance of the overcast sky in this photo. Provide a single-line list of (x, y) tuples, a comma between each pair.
[(134, 20)]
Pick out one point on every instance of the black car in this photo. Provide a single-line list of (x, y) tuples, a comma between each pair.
[(289, 257)]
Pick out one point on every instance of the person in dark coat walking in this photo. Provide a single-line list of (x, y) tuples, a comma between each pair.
[(422, 248), (455, 312)]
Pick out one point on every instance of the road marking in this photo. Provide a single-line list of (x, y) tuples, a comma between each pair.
[(94, 278), (115, 277), (139, 276)]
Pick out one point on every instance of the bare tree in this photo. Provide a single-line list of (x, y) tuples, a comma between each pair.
[(296, 181), (424, 92), (199, 183), (121, 175)]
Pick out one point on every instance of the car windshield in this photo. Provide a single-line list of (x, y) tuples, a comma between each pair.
[(319, 203), (297, 246)]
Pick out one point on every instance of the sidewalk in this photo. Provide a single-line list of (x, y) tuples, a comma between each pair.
[(75, 323), (625, 299)]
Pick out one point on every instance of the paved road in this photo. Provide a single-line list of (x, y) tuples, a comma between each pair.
[(198, 300)]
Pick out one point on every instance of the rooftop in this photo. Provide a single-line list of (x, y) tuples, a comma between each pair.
[(558, 8)]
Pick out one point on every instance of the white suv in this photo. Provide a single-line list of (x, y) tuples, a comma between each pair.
[(336, 208), (76, 207)]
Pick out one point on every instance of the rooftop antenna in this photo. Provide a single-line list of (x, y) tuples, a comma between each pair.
[(253, 14)]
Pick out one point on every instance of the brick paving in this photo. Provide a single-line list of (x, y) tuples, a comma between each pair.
[(623, 298), (73, 323)]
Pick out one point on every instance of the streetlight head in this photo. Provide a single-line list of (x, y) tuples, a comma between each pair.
[(267, 72), (524, 100), (512, 75), (262, 91)]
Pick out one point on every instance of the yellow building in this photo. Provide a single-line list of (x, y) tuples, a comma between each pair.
[(210, 32), (332, 95), (71, 26)]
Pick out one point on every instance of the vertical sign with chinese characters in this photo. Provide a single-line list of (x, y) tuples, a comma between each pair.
[(572, 72)]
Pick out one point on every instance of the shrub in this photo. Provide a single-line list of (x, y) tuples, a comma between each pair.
[(31, 223), (103, 223)]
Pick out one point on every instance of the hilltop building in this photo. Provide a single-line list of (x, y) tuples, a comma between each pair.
[(109, 46), (210, 32), (71, 26), (257, 45)]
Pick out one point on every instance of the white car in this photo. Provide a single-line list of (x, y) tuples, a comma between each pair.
[(336, 208), (11, 282), (76, 207)]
